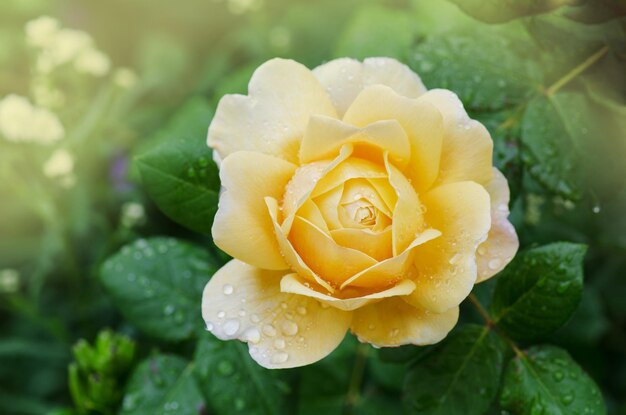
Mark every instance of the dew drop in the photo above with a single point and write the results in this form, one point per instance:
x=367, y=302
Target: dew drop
x=269, y=330
x=228, y=289
x=495, y=263
x=231, y=327
x=301, y=310
x=209, y=326
x=280, y=357
x=254, y=318
x=221, y=314
x=279, y=344
x=290, y=328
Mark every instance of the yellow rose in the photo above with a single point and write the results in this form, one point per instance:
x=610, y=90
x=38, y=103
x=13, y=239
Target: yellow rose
x=353, y=199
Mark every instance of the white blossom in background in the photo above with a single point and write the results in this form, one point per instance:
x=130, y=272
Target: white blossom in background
x=58, y=46
x=40, y=32
x=125, y=78
x=60, y=163
x=21, y=121
x=9, y=280
x=133, y=214
x=92, y=62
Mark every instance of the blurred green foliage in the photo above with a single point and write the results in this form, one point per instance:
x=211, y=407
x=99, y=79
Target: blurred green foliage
x=547, y=78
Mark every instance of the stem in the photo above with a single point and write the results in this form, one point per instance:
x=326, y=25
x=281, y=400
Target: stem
x=576, y=71
x=354, y=390
x=491, y=324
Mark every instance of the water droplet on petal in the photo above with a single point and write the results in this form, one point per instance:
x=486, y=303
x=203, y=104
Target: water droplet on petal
x=231, y=327
x=279, y=343
x=495, y=263
x=251, y=335
x=290, y=328
x=228, y=289
x=221, y=314
x=301, y=310
x=280, y=357
x=269, y=330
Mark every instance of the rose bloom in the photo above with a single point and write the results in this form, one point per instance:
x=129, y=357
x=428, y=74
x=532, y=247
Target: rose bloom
x=354, y=199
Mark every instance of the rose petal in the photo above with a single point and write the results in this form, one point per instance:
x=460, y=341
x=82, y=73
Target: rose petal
x=390, y=270
x=374, y=244
x=393, y=322
x=242, y=228
x=282, y=95
x=407, y=217
x=282, y=330
x=292, y=283
x=288, y=251
x=324, y=136
x=502, y=242
x=345, y=78
x=324, y=256
x=420, y=120
x=467, y=146
x=447, y=265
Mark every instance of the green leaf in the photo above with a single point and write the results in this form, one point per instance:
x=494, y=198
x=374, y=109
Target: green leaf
x=233, y=383
x=324, y=385
x=178, y=171
x=163, y=384
x=539, y=290
x=376, y=31
x=488, y=69
x=499, y=11
x=555, y=132
x=547, y=381
x=461, y=377
x=157, y=285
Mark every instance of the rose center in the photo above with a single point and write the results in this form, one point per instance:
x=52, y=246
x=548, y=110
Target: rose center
x=361, y=213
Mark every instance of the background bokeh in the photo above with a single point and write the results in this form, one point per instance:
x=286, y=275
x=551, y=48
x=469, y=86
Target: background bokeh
x=97, y=83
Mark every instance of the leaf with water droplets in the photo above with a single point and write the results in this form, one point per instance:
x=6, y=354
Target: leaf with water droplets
x=162, y=385
x=157, y=285
x=233, y=383
x=546, y=380
x=461, y=377
x=539, y=291
x=488, y=68
x=178, y=171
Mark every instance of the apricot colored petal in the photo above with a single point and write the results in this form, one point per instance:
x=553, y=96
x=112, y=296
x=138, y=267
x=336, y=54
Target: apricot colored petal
x=345, y=78
x=287, y=250
x=282, y=330
x=446, y=266
x=282, y=96
x=324, y=256
x=467, y=146
x=502, y=242
x=407, y=217
x=242, y=228
x=392, y=269
x=324, y=136
x=374, y=244
x=292, y=283
x=393, y=322
x=421, y=121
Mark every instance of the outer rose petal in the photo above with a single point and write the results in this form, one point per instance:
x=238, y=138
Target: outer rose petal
x=467, y=145
x=447, y=265
x=345, y=78
x=242, y=226
x=422, y=123
x=293, y=283
x=283, y=330
x=502, y=243
x=393, y=322
x=282, y=95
